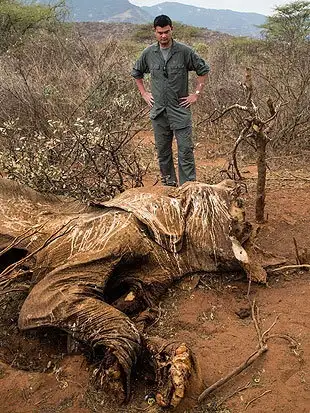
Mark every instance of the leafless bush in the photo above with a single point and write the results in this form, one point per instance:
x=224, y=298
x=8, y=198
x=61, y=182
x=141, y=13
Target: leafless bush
x=284, y=76
x=280, y=73
x=84, y=160
x=223, y=90
x=69, y=117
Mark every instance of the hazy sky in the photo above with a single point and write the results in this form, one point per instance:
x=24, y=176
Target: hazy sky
x=259, y=6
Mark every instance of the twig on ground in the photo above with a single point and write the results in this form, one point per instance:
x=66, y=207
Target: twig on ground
x=239, y=390
x=25, y=397
x=291, y=340
x=249, y=289
x=298, y=262
x=268, y=329
x=235, y=372
x=262, y=340
x=271, y=178
x=45, y=398
x=299, y=177
x=290, y=267
x=256, y=321
x=256, y=398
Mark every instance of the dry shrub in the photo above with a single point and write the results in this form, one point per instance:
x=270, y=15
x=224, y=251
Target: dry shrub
x=223, y=89
x=70, y=111
x=283, y=74
x=69, y=117
x=278, y=72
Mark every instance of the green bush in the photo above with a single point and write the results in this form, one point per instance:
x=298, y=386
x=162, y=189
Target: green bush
x=18, y=20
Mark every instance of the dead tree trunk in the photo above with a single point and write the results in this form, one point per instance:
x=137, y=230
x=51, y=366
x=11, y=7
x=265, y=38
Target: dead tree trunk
x=261, y=177
x=256, y=129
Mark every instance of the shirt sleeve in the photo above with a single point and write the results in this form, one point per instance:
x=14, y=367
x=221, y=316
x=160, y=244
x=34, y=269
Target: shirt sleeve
x=140, y=67
x=197, y=64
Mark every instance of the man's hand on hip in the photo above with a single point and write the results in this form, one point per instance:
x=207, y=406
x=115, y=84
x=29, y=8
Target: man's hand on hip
x=148, y=97
x=187, y=101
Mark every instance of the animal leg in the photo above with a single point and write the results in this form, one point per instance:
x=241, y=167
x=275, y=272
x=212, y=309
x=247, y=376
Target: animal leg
x=88, y=319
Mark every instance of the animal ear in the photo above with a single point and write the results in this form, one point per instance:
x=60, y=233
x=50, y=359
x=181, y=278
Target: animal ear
x=161, y=215
x=239, y=252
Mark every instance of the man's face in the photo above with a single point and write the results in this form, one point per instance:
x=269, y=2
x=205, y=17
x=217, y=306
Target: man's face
x=164, y=35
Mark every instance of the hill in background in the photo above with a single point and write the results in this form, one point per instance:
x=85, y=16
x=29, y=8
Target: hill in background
x=119, y=11
x=122, y=11
x=228, y=21
x=98, y=31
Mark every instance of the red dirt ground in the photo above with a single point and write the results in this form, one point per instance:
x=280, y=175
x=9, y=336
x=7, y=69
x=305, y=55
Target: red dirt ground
x=211, y=314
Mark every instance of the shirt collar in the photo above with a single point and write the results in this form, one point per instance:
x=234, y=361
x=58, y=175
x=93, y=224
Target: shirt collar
x=173, y=48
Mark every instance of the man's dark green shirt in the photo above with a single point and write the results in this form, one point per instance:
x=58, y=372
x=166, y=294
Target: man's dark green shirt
x=169, y=80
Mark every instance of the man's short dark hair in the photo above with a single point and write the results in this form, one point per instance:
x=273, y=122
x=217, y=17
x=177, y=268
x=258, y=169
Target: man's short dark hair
x=162, y=21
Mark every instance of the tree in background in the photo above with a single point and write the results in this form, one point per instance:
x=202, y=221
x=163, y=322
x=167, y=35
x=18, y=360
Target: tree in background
x=18, y=19
x=289, y=24
x=285, y=67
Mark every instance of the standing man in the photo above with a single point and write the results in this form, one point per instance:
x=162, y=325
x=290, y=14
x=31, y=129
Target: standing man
x=169, y=62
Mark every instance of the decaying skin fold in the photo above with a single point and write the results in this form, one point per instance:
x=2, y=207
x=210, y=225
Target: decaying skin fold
x=103, y=265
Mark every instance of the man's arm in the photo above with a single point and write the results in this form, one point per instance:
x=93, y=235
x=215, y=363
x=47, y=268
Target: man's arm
x=140, y=68
x=147, y=96
x=200, y=84
x=187, y=101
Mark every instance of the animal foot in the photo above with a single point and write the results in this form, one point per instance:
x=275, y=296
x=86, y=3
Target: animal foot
x=173, y=364
x=109, y=375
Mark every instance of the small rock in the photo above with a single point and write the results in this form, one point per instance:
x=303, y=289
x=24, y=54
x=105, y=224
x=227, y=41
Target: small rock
x=243, y=312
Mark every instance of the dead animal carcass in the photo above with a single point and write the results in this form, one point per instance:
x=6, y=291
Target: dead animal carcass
x=98, y=269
